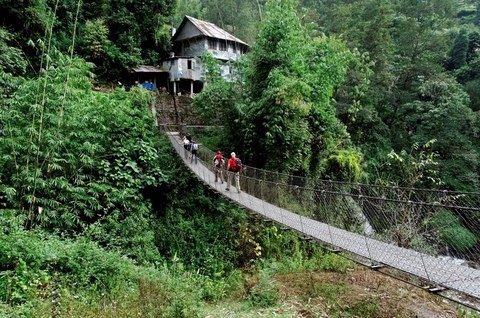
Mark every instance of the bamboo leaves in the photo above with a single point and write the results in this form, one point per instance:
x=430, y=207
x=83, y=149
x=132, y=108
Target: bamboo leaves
x=95, y=159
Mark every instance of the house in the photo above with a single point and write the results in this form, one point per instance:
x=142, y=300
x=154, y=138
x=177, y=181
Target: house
x=182, y=72
x=147, y=76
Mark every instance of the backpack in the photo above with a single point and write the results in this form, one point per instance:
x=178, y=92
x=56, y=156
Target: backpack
x=238, y=165
x=218, y=161
x=233, y=165
x=194, y=146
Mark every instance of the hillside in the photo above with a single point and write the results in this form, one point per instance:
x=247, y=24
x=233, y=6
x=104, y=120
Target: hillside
x=100, y=218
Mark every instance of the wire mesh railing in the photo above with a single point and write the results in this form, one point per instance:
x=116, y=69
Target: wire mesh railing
x=433, y=234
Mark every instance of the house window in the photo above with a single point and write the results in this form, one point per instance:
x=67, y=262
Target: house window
x=212, y=44
x=190, y=64
x=223, y=45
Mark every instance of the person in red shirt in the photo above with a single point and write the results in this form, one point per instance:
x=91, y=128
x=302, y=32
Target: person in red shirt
x=233, y=170
x=218, y=162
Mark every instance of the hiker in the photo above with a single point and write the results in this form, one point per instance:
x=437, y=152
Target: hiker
x=194, y=149
x=218, y=162
x=234, y=167
x=186, y=145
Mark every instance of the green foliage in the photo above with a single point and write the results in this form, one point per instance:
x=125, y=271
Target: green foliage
x=442, y=113
x=79, y=163
x=473, y=90
x=284, y=251
x=458, y=53
x=133, y=235
x=473, y=46
x=193, y=8
x=264, y=293
x=27, y=21
x=452, y=232
x=115, y=35
x=216, y=103
x=44, y=274
x=345, y=165
x=211, y=67
x=335, y=263
x=193, y=231
x=22, y=284
x=416, y=168
x=95, y=41
x=327, y=291
x=406, y=43
x=76, y=157
x=466, y=313
x=289, y=122
x=135, y=28
x=11, y=60
x=171, y=293
x=30, y=262
x=364, y=308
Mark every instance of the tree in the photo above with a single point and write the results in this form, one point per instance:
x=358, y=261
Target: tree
x=240, y=18
x=73, y=156
x=473, y=46
x=290, y=123
x=27, y=21
x=442, y=112
x=11, y=63
x=477, y=15
x=421, y=42
x=11, y=59
x=458, y=53
x=96, y=44
x=192, y=8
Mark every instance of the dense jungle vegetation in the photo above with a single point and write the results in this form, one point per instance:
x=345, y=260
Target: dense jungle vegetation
x=98, y=218
x=380, y=91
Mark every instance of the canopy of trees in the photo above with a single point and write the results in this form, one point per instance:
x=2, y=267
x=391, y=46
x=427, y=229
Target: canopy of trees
x=115, y=35
x=354, y=81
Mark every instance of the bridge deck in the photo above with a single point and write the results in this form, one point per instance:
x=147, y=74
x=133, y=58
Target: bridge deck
x=441, y=271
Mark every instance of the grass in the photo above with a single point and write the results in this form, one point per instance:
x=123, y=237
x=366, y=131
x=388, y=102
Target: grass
x=358, y=292
x=86, y=281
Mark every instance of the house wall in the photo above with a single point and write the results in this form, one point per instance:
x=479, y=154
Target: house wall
x=225, y=55
x=179, y=68
x=197, y=46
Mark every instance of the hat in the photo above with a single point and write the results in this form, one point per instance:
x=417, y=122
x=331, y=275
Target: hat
x=232, y=154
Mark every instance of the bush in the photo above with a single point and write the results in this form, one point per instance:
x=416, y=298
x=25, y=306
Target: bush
x=29, y=260
x=451, y=232
x=264, y=293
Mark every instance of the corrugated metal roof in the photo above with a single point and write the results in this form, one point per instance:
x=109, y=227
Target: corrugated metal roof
x=146, y=69
x=211, y=30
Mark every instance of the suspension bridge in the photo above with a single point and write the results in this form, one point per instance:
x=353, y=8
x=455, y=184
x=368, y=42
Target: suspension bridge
x=385, y=228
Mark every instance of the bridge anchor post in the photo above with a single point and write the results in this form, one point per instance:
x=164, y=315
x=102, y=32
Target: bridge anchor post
x=334, y=250
x=435, y=289
x=306, y=238
x=376, y=266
